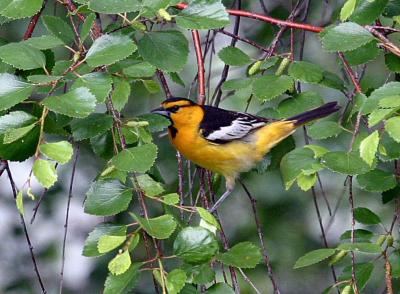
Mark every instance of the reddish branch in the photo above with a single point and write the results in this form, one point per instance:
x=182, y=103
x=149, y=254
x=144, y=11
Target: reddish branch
x=350, y=72
x=268, y=19
x=200, y=66
x=33, y=22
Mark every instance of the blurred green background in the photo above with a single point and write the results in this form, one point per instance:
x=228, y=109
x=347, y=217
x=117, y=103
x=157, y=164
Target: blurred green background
x=289, y=218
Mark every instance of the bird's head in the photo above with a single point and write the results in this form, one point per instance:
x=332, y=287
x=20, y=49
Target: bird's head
x=180, y=111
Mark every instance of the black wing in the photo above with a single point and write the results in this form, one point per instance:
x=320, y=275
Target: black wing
x=222, y=126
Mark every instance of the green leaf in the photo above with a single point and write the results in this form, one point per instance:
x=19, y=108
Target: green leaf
x=392, y=127
x=20, y=8
x=363, y=273
x=141, y=69
x=151, y=86
x=23, y=147
x=107, y=243
x=359, y=234
x=242, y=255
x=203, y=14
x=150, y=187
x=136, y=159
x=22, y=56
x=392, y=62
x=294, y=163
x=20, y=202
x=389, y=195
x=78, y=103
x=166, y=50
x=347, y=9
x=44, y=172
x=234, y=56
x=306, y=71
x=107, y=197
x=361, y=247
x=368, y=147
x=44, y=42
x=313, y=257
x=236, y=84
x=171, y=199
x=378, y=115
x=332, y=80
x=59, y=28
x=122, y=283
x=109, y=49
x=368, y=11
x=91, y=126
x=387, y=90
x=363, y=54
x=199, y=274
x=277, y=85
x=299, y=103
x=11, y=135
x=157, y=122
x=176, y=280
x=195, y=245
x=98, y=83
x=365, y=216
x=324, y=129
x=104, y=229
x=220, y=288
x=208, y=217
x=120, y=94
x=160, y=227
x=120, y=263
x=345, y=163
x=43, y=79
x=388, y=148
x=344, y=37
x=13, y=91
x=377, y=181
x=60, y=151
x=114, y=6
x=87, y=26
x=306, y=181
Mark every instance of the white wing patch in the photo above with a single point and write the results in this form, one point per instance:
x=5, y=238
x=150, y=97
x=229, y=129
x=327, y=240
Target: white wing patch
x=239, y=128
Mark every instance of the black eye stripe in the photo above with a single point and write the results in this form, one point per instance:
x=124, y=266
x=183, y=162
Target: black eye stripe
x=175, y=108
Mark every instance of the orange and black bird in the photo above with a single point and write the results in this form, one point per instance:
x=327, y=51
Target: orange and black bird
x=228, y=142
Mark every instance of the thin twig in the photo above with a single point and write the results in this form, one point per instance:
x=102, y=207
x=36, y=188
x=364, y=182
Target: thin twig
x=164, y=83
x=245, y=40
x=33, y=22
x=246, y=278
x=353, y=223
x=200, y=67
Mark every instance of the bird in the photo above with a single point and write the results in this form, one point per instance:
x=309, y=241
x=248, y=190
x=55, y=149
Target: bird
x=228, y=142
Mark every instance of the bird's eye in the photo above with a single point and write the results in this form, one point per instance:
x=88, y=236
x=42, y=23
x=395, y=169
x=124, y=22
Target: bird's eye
x=174, y=108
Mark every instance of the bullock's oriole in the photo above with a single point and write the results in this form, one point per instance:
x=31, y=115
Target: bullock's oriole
x=228, y=142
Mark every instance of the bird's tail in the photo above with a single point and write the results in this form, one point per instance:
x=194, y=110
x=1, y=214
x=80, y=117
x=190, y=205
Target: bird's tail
x=313, y=114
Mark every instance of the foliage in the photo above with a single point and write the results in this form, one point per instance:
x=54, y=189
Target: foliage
x=50, y=102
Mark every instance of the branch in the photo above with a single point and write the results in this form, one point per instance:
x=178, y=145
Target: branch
x=245, y=40
x=164, y=83
x=200, y=65
x=350, y=72
x=33, y=22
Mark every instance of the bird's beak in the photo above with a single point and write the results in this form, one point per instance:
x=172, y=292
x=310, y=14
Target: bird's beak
x=161, y=111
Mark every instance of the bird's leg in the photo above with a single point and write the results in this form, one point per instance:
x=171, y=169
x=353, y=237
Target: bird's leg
x=220, y=200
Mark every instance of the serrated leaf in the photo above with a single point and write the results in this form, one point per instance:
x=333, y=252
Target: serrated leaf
x=359, y=234
x=87, y=25
x=377, y=181
x=392, y=62
x=387, y=90
x=392, y=127
x=122, y=283
x=345, y=163
x=171, y=199
x=114, y=6
x=60, y=151
x=44, y=42
x=208, y=217
x=91, y=126
x=361, y=247
x=388, y=148
x=11, y=135
x=347, y=9
x=277, y=85
x=107, y=197
x=365, y=216
x=363, y=272
x=299, y=103
x=324, y=129
x=313, y=257
x=306, y=181
x=103, y=229
x=368, y=147
x=368, y=11
x=199, y=274
x=109, y=49
x=120, y=263
x=332, y=80
x=107, y=243
x=136, y=159
x=203, y=14
x=176, y=279
x=151, y=86
x=378, y=115
x=59, y=28
x=45, y=172
x=236, y=84
x=344, y=37
x=242, y=255
x=160, y=227
x=149, y=186
x=120, y=94
x=195, y=245
x=43, y=79
x=233, y=56
x=389, y=195
x=141, y=69
x=363, y=54
x=306, y=71
x=19, y=201
x=98, y=83
x=22, y=56
x=220, y=288
x=20, y=8
x=79, y=103
x=167, y=50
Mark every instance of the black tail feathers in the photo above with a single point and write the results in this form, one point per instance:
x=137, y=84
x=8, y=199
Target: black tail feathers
x=316, y=113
